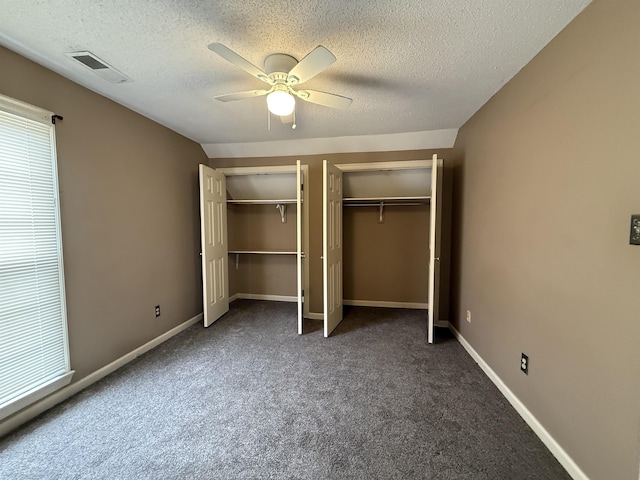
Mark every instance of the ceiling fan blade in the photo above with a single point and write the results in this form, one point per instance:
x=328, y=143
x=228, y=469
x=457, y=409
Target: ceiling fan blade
x=316, y=61
x=229, y=97
x=330, y=100
x=231, y=56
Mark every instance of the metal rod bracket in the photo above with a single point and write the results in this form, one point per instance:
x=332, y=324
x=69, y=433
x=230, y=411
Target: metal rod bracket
x=282, y=208
x=381, y=216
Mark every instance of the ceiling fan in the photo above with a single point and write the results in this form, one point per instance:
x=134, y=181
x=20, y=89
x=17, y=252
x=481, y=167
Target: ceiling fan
x=282, y=73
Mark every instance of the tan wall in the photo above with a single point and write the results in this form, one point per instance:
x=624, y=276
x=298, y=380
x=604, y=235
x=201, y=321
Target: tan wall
x=543, y=196
x=129, y=208
x=396, y=263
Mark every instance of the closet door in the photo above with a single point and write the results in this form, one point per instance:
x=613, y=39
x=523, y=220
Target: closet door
x=332, y=247
x=299, y=241
x=434, y=244
x=213, y=237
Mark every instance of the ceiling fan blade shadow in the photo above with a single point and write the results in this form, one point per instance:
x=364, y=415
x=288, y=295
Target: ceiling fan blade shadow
x=232, y=57
x=396, y=87
x=229, y=97
x=315, y=62
x=330, y=100
x=367, y=81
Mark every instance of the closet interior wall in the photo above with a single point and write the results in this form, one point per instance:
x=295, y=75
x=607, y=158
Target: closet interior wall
x=263, y=222
x=260, y=227
x=386, y=223
x=386, y=262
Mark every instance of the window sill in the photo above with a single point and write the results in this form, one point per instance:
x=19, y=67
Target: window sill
x=35, y=394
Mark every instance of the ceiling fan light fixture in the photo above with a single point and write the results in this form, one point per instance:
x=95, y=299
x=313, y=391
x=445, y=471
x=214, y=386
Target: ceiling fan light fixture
x=281, y=103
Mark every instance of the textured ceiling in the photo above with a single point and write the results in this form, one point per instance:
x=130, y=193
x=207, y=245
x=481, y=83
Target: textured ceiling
x=410, y=66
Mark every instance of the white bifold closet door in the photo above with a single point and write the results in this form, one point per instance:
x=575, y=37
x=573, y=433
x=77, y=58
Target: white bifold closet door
x=434, y=245
x=215, y=250
x=299, y=252
x=332, y=246
x=213, y=236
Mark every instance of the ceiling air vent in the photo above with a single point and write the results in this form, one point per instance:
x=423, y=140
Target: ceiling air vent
x=100, y=67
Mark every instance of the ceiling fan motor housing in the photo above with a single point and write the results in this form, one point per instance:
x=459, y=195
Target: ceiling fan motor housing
x=278, y=65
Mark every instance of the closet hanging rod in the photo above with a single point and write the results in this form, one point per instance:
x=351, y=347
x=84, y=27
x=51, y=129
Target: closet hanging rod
x=383, y=203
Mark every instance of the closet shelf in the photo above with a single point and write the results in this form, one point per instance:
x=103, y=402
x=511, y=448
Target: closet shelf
x=386, y=200
x=264, y=252
x=263, y=202
x=237, y=253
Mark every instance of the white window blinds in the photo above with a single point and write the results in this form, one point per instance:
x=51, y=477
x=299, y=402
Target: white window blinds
x=34, y=358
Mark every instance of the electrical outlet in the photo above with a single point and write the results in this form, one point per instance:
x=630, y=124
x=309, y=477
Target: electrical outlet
x=469, y=316
x=157, y=311
x=634, y=236
x=524, y=364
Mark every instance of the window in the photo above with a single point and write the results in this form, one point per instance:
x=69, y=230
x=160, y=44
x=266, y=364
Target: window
x=34, y=354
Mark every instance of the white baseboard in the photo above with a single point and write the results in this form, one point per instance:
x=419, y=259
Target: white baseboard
x=37, y=408
x=554, y=447
x=374, y=303
x=320, y=316
x=354, y=303
x=271, y=298
x=275, y=298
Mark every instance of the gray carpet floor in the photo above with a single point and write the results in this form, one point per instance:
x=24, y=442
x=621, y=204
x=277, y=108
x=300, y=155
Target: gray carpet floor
x=247, y=398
